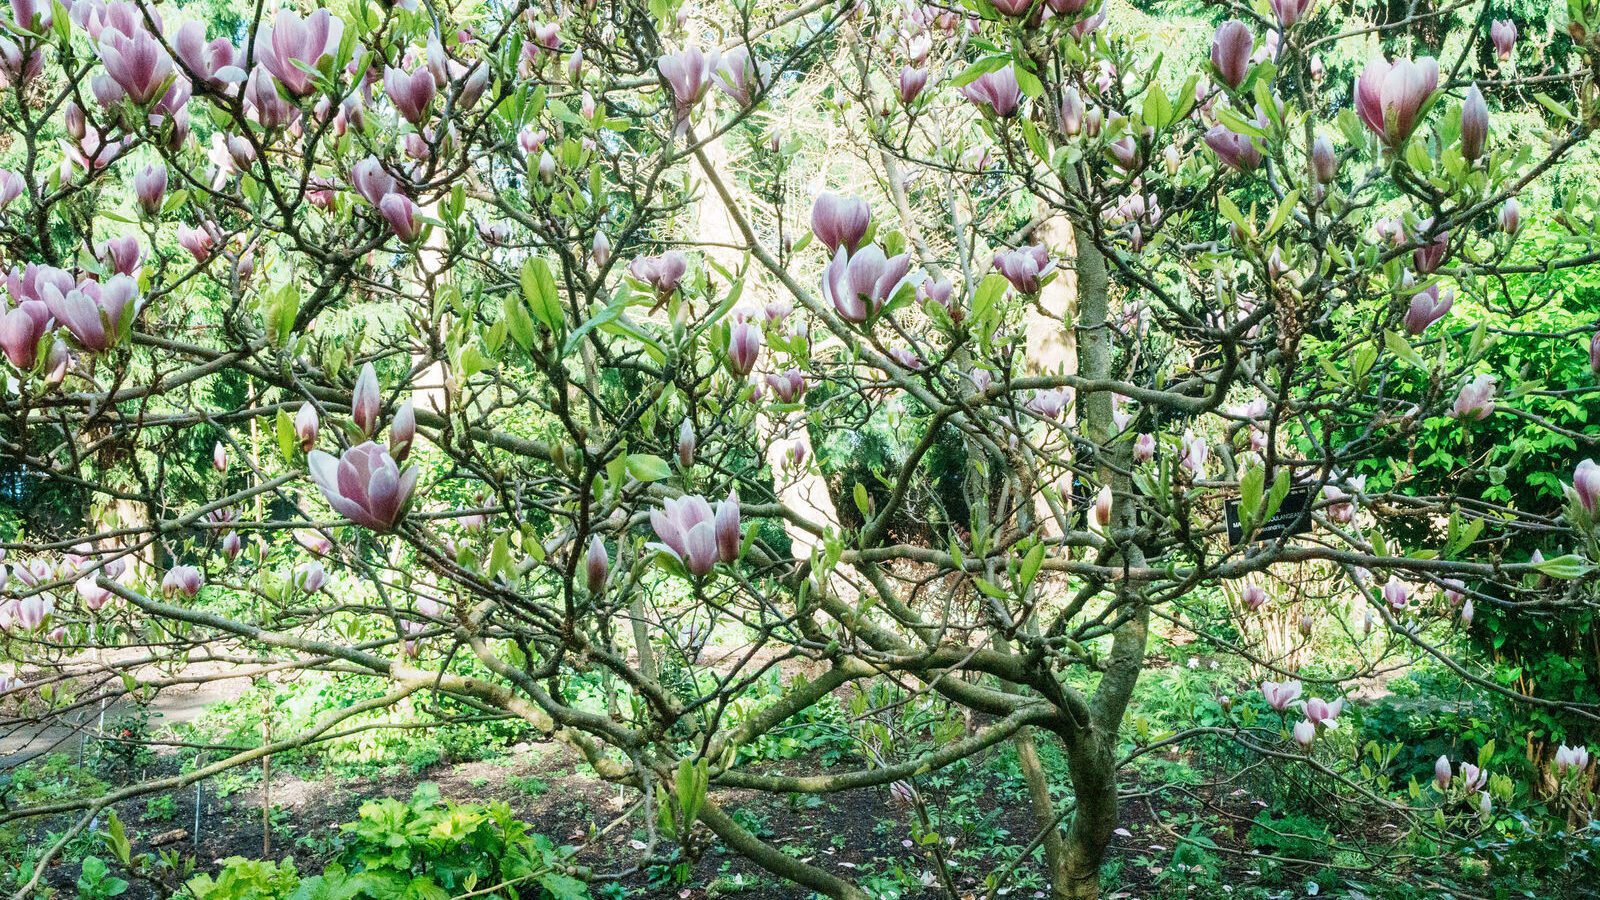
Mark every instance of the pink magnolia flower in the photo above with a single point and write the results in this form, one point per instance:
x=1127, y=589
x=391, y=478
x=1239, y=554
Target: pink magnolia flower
x=740, y=76
x=1427, y=307
x=1072, y=112
x=1304, y=733
x=1389, y=96
x=1144, y=448
x=788, y=386
x=137, y=62
x=1396, y=593
x=1254, y=596
x=1025, y=267
x=1321, y=712
x=1050, y=403
x=660, y=272
x=1442, y=774
x=1195, y=453
x=306, y=425
x=1473, y=777
x=912, y=82
x=18, y=67
x=11, y=187
x=600, y=250
x=1013, y=8
x=1324, y=161
x=291, y=41
x=1466, y=612
x=32, y=16
x=150, y=187
x=859, y=286
x=263, y=102
x=232, y=545
x=1237, y=151
x=1571, y=758
x=1289, y=12
x=198, y=241
x=996, y=91
x=688, y=74
x=309, y=577
x=906, y=358
x=744, y=347
x=121, y=254
x=402, y=215
x=698, y=537
x=840, y=221
x=1230, y=51
x=1280, y=694
x=1476, y=400
x=219, y=457
x=364, y=485
x=372, y=181
x=215, y=63
x=91, y=593
x=1510, y=222
x=182, y=581
x=1101, y=512
x=411, y=93
x=21, y=330
x=95, y=312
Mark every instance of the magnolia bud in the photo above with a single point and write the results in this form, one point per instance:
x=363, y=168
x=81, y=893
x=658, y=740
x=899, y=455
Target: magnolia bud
x=232, y=545
x=219, y=457
x=686, y=444
x=1474, y=124
x=1442, y=773
x=1071, y=112
x=365, y=402
x=1102, y=506
x=402, y=431
x=306, y=425
x=601, y=250
x=1511, y=216
x=728, y=534
x=596, y=565
x=1324, y=161
x=150, y=187
x=1304, y=733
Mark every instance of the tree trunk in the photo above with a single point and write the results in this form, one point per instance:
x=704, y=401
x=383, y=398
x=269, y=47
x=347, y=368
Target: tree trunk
x=1094, y=783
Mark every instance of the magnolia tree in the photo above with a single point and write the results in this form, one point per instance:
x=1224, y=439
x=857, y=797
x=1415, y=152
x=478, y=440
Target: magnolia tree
x=526, y=362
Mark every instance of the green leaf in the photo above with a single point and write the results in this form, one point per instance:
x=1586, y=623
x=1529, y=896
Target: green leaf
x=1566, y=567
x=1555, y=107
x=647, y=467
x=1030, y=565
x=539, y=291
x=288, y=441
x=1398, y=345
x=518, y=323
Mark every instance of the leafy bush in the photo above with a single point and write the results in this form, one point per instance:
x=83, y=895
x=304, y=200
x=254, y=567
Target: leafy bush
x=426, y=848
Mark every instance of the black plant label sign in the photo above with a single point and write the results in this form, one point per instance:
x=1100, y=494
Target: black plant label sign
x=1292, y=517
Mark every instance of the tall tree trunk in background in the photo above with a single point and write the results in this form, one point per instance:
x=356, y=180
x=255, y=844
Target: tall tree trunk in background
x=1051, y=346
x=803, y=490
